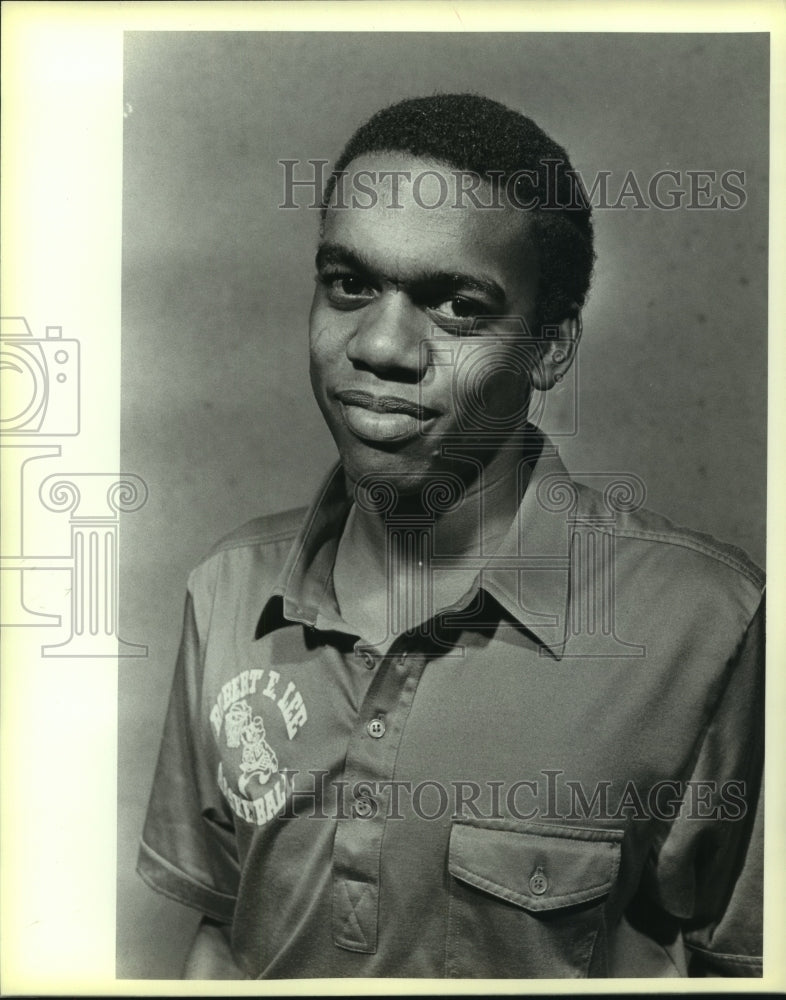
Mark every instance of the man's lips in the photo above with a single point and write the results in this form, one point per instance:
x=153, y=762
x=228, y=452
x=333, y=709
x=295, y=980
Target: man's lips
x=381, y=419
x=384, y=404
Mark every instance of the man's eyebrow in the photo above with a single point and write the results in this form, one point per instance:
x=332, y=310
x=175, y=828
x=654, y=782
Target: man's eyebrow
x=335, y=254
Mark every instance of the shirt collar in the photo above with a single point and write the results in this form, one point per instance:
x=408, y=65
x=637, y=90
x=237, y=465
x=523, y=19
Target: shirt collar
x=529, y=575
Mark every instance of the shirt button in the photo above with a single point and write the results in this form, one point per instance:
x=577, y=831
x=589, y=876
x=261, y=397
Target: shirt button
x=363, y=808
x=538, y=882
x=376, y=728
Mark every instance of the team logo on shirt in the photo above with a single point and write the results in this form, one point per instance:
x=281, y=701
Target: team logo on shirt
x=262, y=788
x=258, y=759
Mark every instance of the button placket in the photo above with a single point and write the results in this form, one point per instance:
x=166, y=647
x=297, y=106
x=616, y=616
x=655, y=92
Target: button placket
x=370, y=762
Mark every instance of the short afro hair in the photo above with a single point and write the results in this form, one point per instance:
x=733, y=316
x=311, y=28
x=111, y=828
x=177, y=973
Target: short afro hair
x=476, y=134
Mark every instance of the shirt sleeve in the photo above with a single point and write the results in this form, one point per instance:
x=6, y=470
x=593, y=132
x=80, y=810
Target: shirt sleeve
x=708, y=870
x=188, y=848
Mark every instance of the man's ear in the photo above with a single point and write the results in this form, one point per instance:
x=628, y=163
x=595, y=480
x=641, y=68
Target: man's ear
x=558, y=352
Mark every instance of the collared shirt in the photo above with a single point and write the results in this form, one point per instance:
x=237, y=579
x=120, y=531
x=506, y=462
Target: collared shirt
x=557, y=776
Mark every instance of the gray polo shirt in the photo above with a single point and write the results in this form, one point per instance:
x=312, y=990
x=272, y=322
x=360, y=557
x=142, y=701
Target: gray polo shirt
x=558, y=776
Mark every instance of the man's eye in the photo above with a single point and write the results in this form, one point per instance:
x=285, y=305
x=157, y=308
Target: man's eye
x=458, y=307
x=464, y=308
x=345, y=289
x=350, y=285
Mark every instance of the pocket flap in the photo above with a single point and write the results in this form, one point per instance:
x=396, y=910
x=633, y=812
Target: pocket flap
x=538, y=867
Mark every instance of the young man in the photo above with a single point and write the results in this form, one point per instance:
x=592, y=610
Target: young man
x=464, y=716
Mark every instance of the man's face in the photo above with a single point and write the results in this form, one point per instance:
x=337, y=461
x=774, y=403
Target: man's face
x=415, y=330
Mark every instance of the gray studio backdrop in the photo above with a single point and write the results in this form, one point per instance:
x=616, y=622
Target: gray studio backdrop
x=216, y=407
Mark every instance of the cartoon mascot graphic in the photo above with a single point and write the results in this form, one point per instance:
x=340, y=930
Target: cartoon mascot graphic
x=258, y=760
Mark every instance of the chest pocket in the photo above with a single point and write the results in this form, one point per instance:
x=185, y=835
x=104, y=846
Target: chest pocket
x=526, y=899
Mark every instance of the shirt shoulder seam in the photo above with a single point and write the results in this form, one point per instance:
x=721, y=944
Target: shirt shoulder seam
x=250, y=540
x=248, y=537
x=684, y=541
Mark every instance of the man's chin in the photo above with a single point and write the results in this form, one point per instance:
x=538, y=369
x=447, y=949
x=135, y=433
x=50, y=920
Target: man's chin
x=404, y=475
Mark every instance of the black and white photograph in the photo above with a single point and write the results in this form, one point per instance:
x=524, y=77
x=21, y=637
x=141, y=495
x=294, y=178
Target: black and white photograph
x=433, y=560
x=460, y=712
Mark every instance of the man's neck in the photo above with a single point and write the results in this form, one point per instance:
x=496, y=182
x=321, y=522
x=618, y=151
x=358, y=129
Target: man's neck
x=386, y=556
x=461, y=518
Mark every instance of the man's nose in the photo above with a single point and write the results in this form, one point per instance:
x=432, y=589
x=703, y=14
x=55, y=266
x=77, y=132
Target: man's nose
x=390, y=338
